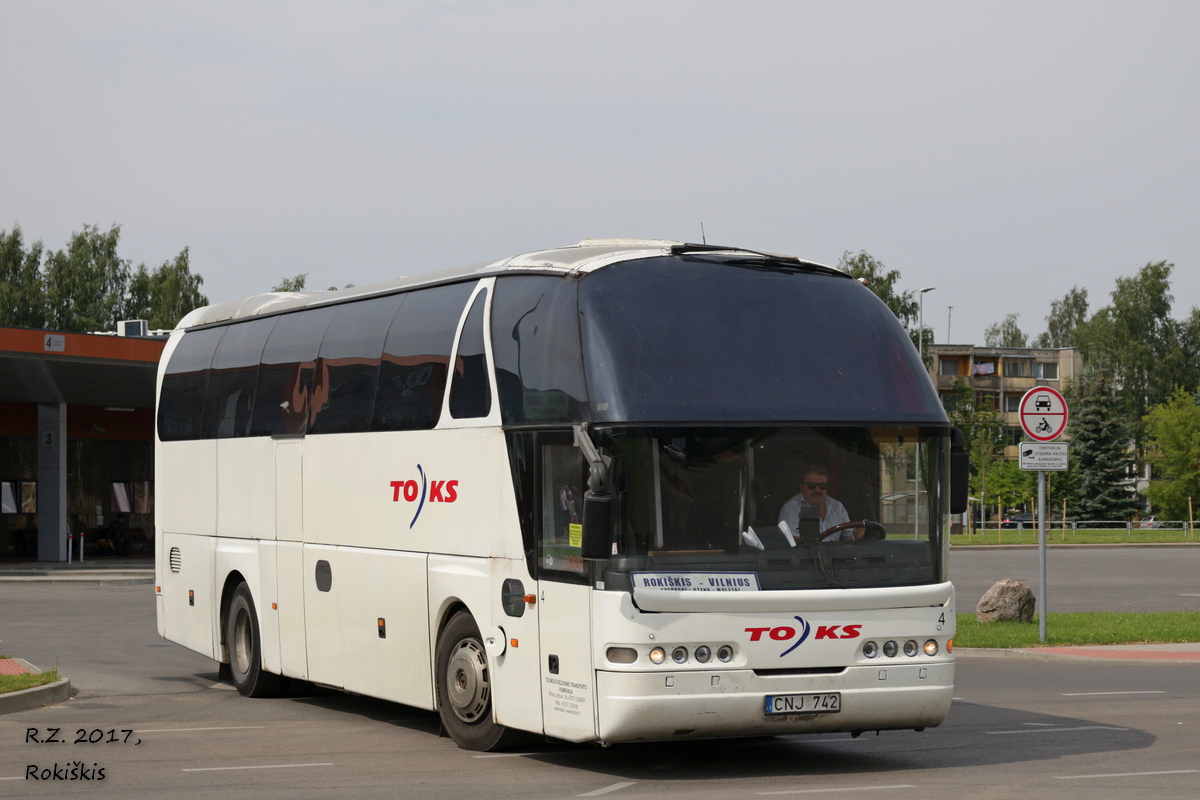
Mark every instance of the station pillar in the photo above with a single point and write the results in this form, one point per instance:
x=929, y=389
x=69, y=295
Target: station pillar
x=52, y=482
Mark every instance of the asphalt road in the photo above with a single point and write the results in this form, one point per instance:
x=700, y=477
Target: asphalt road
x=1018, y=728
x=1086, y=579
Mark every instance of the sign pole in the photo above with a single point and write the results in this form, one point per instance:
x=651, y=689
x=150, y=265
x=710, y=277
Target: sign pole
x=1042, y=605
x=1044, y=414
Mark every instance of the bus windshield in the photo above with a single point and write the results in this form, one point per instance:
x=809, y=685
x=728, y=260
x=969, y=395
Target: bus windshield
x=703, y=339
x=791, y=507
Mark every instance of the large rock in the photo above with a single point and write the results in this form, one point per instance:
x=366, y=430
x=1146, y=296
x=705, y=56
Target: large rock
x=1006, y=600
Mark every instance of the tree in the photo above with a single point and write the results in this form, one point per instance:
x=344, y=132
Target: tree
x=164, y=296
x=1005, y=334
x=983, y=430
x=1173, y=448
x=86, y=282
x=1138, y=343
x=88, y=287
x=22, y=293
x=295, y=284
x=1100, y=448
x=1067, y=314
x=1017, y=487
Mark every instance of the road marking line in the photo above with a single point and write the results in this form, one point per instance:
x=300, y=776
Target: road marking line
x=503, y=755
x=174, y=730
x=1189, y=595
x=224, y=687
x=843, y=789
x=607, y=789
x=1059, y=730
x=1126, y=774
x=261, y=766
x=1093, y=694
x=19, y=778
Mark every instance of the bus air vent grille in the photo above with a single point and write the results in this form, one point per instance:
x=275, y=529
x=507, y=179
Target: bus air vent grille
x=800, y=671
x=176, y=560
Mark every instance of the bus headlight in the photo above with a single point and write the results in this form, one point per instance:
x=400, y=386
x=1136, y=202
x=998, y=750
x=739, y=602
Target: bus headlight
x=931, y=647
x=725, y=653
x=910, y=648
x=890, y=649
x=679, y=655
x=703, y=654
x=870, y=649
x=658, y=655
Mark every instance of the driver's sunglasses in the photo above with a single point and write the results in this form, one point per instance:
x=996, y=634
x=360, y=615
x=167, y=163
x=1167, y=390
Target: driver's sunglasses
x=813, y=485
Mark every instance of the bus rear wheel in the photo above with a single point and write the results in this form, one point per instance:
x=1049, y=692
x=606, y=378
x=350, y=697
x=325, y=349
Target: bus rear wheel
x=244, y=643
x=464, y=692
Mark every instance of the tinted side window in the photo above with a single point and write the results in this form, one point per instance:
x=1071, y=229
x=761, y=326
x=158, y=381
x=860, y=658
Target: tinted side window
x=181, y=406
x=283, y=396
x=416, y=358
x=349, y=365
x=535, y=341
x=230, y=396
x=470, y=393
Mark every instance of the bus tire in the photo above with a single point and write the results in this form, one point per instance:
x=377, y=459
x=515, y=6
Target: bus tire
x=244, y=643
x=463, y=685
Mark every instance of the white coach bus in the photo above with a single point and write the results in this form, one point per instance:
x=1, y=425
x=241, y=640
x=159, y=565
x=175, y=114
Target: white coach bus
x=545, y=495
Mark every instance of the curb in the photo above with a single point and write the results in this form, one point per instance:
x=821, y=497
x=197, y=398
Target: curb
x=38, y=696
x=82, y=581
x=1068, y=546
x=1039, y=655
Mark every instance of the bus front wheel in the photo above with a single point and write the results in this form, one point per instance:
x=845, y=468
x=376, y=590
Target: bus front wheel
x=464, y=691
x=245, y=648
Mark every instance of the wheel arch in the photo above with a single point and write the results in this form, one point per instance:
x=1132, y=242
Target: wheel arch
x=232, y=581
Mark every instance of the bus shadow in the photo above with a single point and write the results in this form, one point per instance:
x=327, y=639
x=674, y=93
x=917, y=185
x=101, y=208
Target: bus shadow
x=974, y=736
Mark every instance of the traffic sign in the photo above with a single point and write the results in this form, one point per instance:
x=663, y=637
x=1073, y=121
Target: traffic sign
x=1043, y=413
x=1043, y=455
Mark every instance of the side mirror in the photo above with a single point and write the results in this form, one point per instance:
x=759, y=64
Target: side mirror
x=960, y=472
x=598, y=517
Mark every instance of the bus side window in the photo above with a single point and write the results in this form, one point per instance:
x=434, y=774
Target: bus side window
x=283, y=393
x=349, y=364
x=181, y=406
x=416, y=355
x=230, y=395
x=470, y=392
x=535, y=343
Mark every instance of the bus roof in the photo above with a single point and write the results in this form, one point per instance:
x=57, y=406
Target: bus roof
x=587, y=256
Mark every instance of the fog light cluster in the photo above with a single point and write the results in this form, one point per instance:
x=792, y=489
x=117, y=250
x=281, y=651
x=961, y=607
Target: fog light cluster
x=678, y=655
x=891, y=648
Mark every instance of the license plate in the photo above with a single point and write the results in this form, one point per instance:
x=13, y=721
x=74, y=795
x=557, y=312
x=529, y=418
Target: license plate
x=826, y=703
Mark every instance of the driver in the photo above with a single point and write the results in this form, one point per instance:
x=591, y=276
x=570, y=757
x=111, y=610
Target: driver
x=814, y=493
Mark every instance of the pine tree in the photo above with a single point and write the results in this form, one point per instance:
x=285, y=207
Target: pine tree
x=1100, y=449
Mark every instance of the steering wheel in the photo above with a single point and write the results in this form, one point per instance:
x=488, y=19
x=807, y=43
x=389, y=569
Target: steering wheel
x=874, y=529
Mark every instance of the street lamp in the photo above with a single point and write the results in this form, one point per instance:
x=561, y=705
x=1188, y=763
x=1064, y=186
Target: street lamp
x=917, y=479
x=921, y=322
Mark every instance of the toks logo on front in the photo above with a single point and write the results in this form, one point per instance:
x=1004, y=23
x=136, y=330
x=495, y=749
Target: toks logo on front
x=426, y=490
x=786, y=633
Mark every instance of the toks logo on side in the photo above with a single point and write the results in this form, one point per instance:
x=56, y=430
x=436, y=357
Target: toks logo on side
x=414, y=492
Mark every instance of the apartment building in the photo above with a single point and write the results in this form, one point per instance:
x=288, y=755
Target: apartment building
x=1000, y=376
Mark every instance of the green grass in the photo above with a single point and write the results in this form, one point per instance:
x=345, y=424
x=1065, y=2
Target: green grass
x=15, y=683
x=1082, y=629
x=1055, y=535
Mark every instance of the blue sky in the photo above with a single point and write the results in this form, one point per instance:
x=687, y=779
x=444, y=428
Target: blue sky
x=1002, y=153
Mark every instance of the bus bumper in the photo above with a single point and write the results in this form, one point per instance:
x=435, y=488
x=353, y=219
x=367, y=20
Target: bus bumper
x=650, y=706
